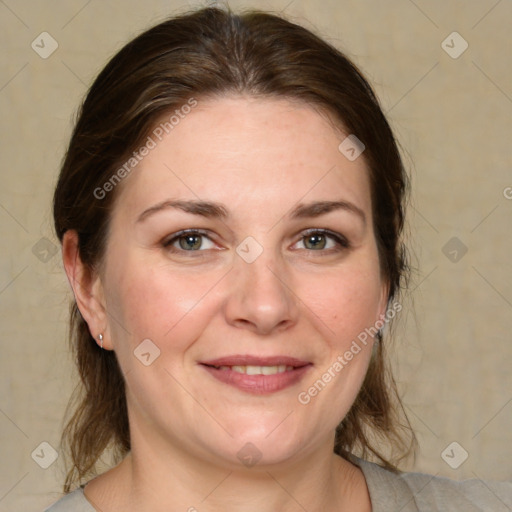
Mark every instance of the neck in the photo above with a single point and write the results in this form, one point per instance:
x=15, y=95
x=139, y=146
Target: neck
x=158, y=476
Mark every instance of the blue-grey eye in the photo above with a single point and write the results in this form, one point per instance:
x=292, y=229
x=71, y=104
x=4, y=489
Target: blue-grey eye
x=315, y=241
x=318, y=240
x=190, y=242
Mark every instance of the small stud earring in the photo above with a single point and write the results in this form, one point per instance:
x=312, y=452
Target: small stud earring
x=100, y=337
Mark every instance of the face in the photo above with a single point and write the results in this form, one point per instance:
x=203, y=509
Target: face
x=242, y=247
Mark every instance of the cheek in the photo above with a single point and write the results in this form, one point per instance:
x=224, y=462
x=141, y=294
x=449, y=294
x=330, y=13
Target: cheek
x=344, y=313
x=345, y=306
x=346, y=302
x=155, y=302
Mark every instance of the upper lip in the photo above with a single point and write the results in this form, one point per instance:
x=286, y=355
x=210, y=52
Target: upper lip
x=248, y=360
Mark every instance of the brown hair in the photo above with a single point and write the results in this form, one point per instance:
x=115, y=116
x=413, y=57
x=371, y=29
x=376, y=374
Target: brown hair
x=208, y=53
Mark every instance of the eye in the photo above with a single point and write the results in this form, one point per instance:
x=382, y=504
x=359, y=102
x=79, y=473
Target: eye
x=189, y=240
x=321, y=239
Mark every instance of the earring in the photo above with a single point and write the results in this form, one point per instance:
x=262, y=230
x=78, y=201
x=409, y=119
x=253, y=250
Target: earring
x=100, y=337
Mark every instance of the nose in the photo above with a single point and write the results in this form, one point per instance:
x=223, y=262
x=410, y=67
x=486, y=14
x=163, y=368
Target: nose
x=261, y=297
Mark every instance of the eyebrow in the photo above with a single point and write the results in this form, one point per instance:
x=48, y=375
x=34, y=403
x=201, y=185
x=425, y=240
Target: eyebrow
x=318, y=208
x=217, y=210
x=203, y=208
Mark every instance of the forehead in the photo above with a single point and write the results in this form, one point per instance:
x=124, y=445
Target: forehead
x=249, y=153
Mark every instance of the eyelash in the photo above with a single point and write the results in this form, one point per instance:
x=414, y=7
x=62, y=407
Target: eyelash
x=168, y=242
x=341, y=242
x=339, y=239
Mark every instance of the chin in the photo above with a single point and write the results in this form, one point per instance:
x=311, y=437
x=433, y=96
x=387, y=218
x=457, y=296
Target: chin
x=251, y=447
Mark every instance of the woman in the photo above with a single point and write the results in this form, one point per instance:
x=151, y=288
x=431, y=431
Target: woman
x=230, y=210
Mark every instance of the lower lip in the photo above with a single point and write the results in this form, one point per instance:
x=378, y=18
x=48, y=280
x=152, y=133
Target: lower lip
x=258, y=384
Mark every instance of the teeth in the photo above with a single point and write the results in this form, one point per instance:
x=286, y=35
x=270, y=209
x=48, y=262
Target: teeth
x=271, y=370
x=258, y=370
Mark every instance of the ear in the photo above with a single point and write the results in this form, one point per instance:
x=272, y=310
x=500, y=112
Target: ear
x=87, y=289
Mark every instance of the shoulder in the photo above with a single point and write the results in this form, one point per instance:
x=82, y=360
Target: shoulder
x=415, y=492
x=72, y=502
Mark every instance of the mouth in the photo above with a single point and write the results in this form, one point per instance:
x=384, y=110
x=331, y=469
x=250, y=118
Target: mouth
x=257, y=375
x=257, y=370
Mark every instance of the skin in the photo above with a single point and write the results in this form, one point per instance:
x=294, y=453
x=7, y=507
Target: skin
x=260, y=158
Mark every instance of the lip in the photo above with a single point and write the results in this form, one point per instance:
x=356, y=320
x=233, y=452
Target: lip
x=257, y=384
x=248, y=360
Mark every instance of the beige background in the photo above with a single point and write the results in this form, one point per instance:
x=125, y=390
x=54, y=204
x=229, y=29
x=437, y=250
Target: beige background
x=452, y=116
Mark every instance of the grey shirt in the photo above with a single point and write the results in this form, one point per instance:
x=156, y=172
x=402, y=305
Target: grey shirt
x=390, y=492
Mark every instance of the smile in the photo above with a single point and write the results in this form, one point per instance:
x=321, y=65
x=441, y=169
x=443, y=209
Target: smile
x=258, y=370
x=256, y=375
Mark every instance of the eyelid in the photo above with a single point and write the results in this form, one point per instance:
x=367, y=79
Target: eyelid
x=170, y=239
x=340, y=239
